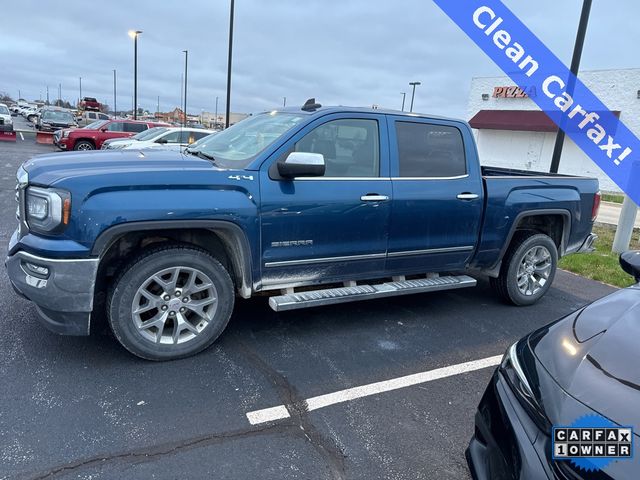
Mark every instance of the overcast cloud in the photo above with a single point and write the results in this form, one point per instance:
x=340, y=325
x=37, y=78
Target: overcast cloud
x=347, y=52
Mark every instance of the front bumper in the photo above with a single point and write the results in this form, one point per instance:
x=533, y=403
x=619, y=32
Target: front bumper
x=63, y=297
x=506, y=443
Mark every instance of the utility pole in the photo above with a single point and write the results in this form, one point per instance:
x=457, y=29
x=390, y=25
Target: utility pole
x=284, y=102
x=134, y=34
x=59, y=94
x=80, y=90
x=228, y=109
x=47, y=95
x=413, y=93
x=404, y=95
x=158, y=108
x=575, y=66
x=115, y=106
x=186, y=59
x=216, y=120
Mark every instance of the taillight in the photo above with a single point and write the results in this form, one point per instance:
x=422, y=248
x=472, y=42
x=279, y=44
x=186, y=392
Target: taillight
x=596, y=206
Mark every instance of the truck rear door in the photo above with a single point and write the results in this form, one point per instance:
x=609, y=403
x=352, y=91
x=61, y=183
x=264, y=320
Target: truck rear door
x=437, y=201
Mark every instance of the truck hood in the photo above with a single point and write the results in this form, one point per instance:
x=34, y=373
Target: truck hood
x=48, y=170
x=593, y=355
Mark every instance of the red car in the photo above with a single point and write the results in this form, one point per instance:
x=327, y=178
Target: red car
x=92, y=136
x=89, y=103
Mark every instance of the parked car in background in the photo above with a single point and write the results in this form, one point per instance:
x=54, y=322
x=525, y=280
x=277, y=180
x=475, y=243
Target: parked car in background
x=52, y=119
x=92, y=136
x=6, y=122
x=89, y=103
x=316, y=198
x=117, y=143
x=170, y=138
x=31, y=113
x=584, y=366
x=85, y=118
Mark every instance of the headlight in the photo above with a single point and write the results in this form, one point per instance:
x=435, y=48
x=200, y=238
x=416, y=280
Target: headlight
x=65, y=134
x=47, y=210
x=519, y=377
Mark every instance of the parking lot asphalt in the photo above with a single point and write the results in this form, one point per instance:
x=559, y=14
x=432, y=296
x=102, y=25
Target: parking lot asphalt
x=82, y=407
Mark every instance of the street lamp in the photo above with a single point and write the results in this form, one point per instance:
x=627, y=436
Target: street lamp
x=80, y=90
x=115, y=106
x=413, y=93
x=284, y=102
x=226, y=121
x=134, y=34
x=186, y=58
x=404, y=95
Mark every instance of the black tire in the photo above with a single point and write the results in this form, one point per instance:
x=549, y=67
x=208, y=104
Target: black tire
x=84, y=145
x=506, y=285
x=126, y=287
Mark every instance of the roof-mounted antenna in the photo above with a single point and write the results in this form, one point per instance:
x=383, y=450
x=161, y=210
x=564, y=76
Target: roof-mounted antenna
x=311, y=105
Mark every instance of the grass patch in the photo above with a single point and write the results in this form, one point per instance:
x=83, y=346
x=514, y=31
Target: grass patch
x=602, y=264
x=613, y=197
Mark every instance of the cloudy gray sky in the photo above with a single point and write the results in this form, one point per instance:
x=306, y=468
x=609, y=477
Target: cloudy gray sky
x=347, y=52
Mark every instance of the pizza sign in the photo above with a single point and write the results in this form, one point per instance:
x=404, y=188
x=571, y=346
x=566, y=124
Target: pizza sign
x=514, y=92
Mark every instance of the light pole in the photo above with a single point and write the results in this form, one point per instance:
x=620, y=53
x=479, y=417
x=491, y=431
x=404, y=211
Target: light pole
x=80, y=90
x=186, y=59
x=404, y=95
x=284, y=102
x=216, y=119
x=134, y=34
x=575, y=66
x=59, y=95
x=115, y=106
x=226, y=120
x=413, y=93
x=47, y=95
x=158, y=108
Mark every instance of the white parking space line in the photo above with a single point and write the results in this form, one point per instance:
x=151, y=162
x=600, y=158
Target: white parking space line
x=314, y=403
x=21, y=136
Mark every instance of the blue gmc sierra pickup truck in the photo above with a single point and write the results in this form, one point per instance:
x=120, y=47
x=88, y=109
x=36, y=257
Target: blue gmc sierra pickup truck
x=312, y=206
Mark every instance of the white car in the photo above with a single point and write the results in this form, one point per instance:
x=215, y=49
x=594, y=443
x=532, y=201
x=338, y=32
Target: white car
x=6, y=122
x=166, y=138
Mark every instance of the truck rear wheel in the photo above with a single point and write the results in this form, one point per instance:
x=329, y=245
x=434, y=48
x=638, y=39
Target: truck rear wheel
x=528, y=269
x=171, y=302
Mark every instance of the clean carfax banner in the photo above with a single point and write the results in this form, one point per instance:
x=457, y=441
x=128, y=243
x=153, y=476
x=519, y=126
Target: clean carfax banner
x=562, y=96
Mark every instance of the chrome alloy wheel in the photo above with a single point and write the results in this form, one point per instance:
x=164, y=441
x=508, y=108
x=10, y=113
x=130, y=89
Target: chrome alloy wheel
x=534, y=270
x=174, y=305
x=84, y=146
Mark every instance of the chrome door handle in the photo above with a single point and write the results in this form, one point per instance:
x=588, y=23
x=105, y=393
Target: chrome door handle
x=467, y=196
x=372, y=197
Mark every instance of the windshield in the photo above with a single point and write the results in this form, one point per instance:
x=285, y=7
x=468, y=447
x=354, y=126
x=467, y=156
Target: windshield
x=95, y=125
x=4, y=110
x=150, y=133
x=236, y=146
x=55, y=116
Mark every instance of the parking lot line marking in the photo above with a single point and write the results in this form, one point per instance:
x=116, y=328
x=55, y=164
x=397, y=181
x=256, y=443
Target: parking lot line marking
x=21, y=136
x=268, y=415
x=314, y=403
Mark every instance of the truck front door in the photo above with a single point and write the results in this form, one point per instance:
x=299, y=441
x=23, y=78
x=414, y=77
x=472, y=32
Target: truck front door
x=437, y=196
x=321, y=229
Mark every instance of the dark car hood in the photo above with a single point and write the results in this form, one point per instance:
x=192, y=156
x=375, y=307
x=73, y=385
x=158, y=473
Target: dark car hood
x=50, y=169
x=594, y=355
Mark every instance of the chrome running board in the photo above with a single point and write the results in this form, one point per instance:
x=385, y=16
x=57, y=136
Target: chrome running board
x=329, y=296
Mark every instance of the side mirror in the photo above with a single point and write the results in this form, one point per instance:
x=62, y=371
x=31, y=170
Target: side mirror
x=103, y=129
x=302, y=164
x=630, y=263
x=161, y=140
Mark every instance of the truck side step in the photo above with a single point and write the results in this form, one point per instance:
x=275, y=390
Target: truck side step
x=328, y=296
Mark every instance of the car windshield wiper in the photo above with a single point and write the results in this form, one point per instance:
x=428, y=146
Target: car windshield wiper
x=201, y=154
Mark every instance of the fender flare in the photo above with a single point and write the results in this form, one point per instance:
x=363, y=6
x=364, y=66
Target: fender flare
x=232, y=236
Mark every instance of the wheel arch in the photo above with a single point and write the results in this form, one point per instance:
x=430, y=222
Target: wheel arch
x=556, y=223
x=220, y=238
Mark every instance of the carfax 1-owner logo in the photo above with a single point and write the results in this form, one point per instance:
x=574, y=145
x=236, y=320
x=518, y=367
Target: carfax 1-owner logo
x=592, y=442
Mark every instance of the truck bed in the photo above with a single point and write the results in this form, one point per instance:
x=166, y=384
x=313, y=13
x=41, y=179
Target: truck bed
x=488, y=171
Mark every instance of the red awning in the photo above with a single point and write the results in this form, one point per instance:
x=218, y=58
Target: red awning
x=521, y=120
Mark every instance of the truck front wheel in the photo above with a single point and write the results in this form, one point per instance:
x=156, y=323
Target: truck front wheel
x=528, y=269
x=170, y=302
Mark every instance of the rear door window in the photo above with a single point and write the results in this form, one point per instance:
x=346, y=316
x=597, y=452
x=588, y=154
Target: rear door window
x=115, y=127
x=428, y=150
x=135, y=127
